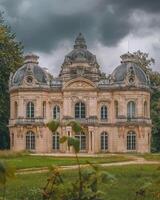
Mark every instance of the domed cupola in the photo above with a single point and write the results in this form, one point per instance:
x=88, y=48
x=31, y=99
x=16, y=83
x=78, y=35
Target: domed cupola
x=80, y=62
x=30, y=74
x=129, y=73
x=80, y=54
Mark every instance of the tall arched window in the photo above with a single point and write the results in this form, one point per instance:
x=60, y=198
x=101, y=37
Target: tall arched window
x=80, y=111
x=104, y=141
x=44, y=109
x=16, y=109
x=104, y=112
x=131, y=109
x=56, y=112
x=82, y=140
x=30, y=110
x=116, y=108
x=55, y=141
x=145, y=109
x=131, y=140
x=30, y=140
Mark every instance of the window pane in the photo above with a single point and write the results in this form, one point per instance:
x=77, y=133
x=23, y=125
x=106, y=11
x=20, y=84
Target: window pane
x=82, y=141
x=55, y=144
x=80, y=110
x=131, y=141
x=104, y=112
x=30, y=110
x=131, y=109
x=56, y=112
x=104, y=141
x=30, y=140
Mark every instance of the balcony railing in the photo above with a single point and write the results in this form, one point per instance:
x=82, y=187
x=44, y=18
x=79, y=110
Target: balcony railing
x=134, y=120
x=26, y=121
x=90, y=120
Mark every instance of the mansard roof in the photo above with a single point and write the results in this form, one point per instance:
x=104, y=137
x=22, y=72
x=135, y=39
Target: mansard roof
x=80, y=63
x=129, y=68
x=30, y=69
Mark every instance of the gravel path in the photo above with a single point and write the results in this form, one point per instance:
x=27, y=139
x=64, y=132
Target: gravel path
x=136, y=161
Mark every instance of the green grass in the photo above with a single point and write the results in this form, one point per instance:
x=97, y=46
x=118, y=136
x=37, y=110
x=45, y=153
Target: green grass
x=129, y=179
x=22, y=161
x=151, y=156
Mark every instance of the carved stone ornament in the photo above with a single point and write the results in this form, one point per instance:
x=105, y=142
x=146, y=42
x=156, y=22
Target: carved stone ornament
x=131, y=76
x=79, y=84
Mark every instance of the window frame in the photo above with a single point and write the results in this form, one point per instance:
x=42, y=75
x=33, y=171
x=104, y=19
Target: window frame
x=30, y=110
x=56, y=112
x=30, y=141
x=56, y=141
x=82, y=141
x=131, y=110
x=131, y=141
x=104, y=112
x=80, y=110
x=104, y=141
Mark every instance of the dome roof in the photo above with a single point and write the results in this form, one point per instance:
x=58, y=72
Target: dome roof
x=129, y=68
x=80, y=52
x=30, y=69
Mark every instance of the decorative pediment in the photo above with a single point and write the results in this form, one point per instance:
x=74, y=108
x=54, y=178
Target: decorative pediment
x=79, y=84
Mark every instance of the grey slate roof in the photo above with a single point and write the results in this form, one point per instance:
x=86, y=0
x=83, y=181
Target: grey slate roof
x=30, y=67
x=80, y=52
x=120, y=73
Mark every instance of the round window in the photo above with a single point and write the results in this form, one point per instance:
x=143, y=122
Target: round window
x=29, y=79
x=131, y=80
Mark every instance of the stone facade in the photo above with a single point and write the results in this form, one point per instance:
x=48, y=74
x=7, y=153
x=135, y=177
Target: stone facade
x=115, y=108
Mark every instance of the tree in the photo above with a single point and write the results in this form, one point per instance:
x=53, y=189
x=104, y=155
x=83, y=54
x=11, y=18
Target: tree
x=10, y=60
x=145, y=63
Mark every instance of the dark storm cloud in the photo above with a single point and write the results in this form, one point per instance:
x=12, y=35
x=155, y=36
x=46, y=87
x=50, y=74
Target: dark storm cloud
x=41, y=25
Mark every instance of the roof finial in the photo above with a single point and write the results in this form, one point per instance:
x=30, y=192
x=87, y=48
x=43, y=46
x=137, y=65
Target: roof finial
x=80, y=42
x=31, y=58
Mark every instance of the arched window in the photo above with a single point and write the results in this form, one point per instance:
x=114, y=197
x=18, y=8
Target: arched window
x=80, y=111
x=131, y=108
x=116, y=108
x=55, y=141
x=104, y=112
x=56, y=112
x=104, y=141
x=131, y=140
x=30, y=110
x=145, y=109
x=30, y=140
x=82, y=140
x=16, y=109
x=44, y=109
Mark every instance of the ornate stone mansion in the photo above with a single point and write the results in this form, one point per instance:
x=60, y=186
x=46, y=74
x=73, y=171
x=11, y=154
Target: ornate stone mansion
x=115, y=108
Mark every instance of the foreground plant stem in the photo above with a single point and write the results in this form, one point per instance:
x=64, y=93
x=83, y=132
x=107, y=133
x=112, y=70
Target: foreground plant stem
x=80, y=177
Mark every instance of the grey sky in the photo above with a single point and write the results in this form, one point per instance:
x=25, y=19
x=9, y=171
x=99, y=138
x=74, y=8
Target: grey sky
x=111, y=27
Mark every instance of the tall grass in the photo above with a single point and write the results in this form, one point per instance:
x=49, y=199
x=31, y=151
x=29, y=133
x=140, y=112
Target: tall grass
x=12, y=154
